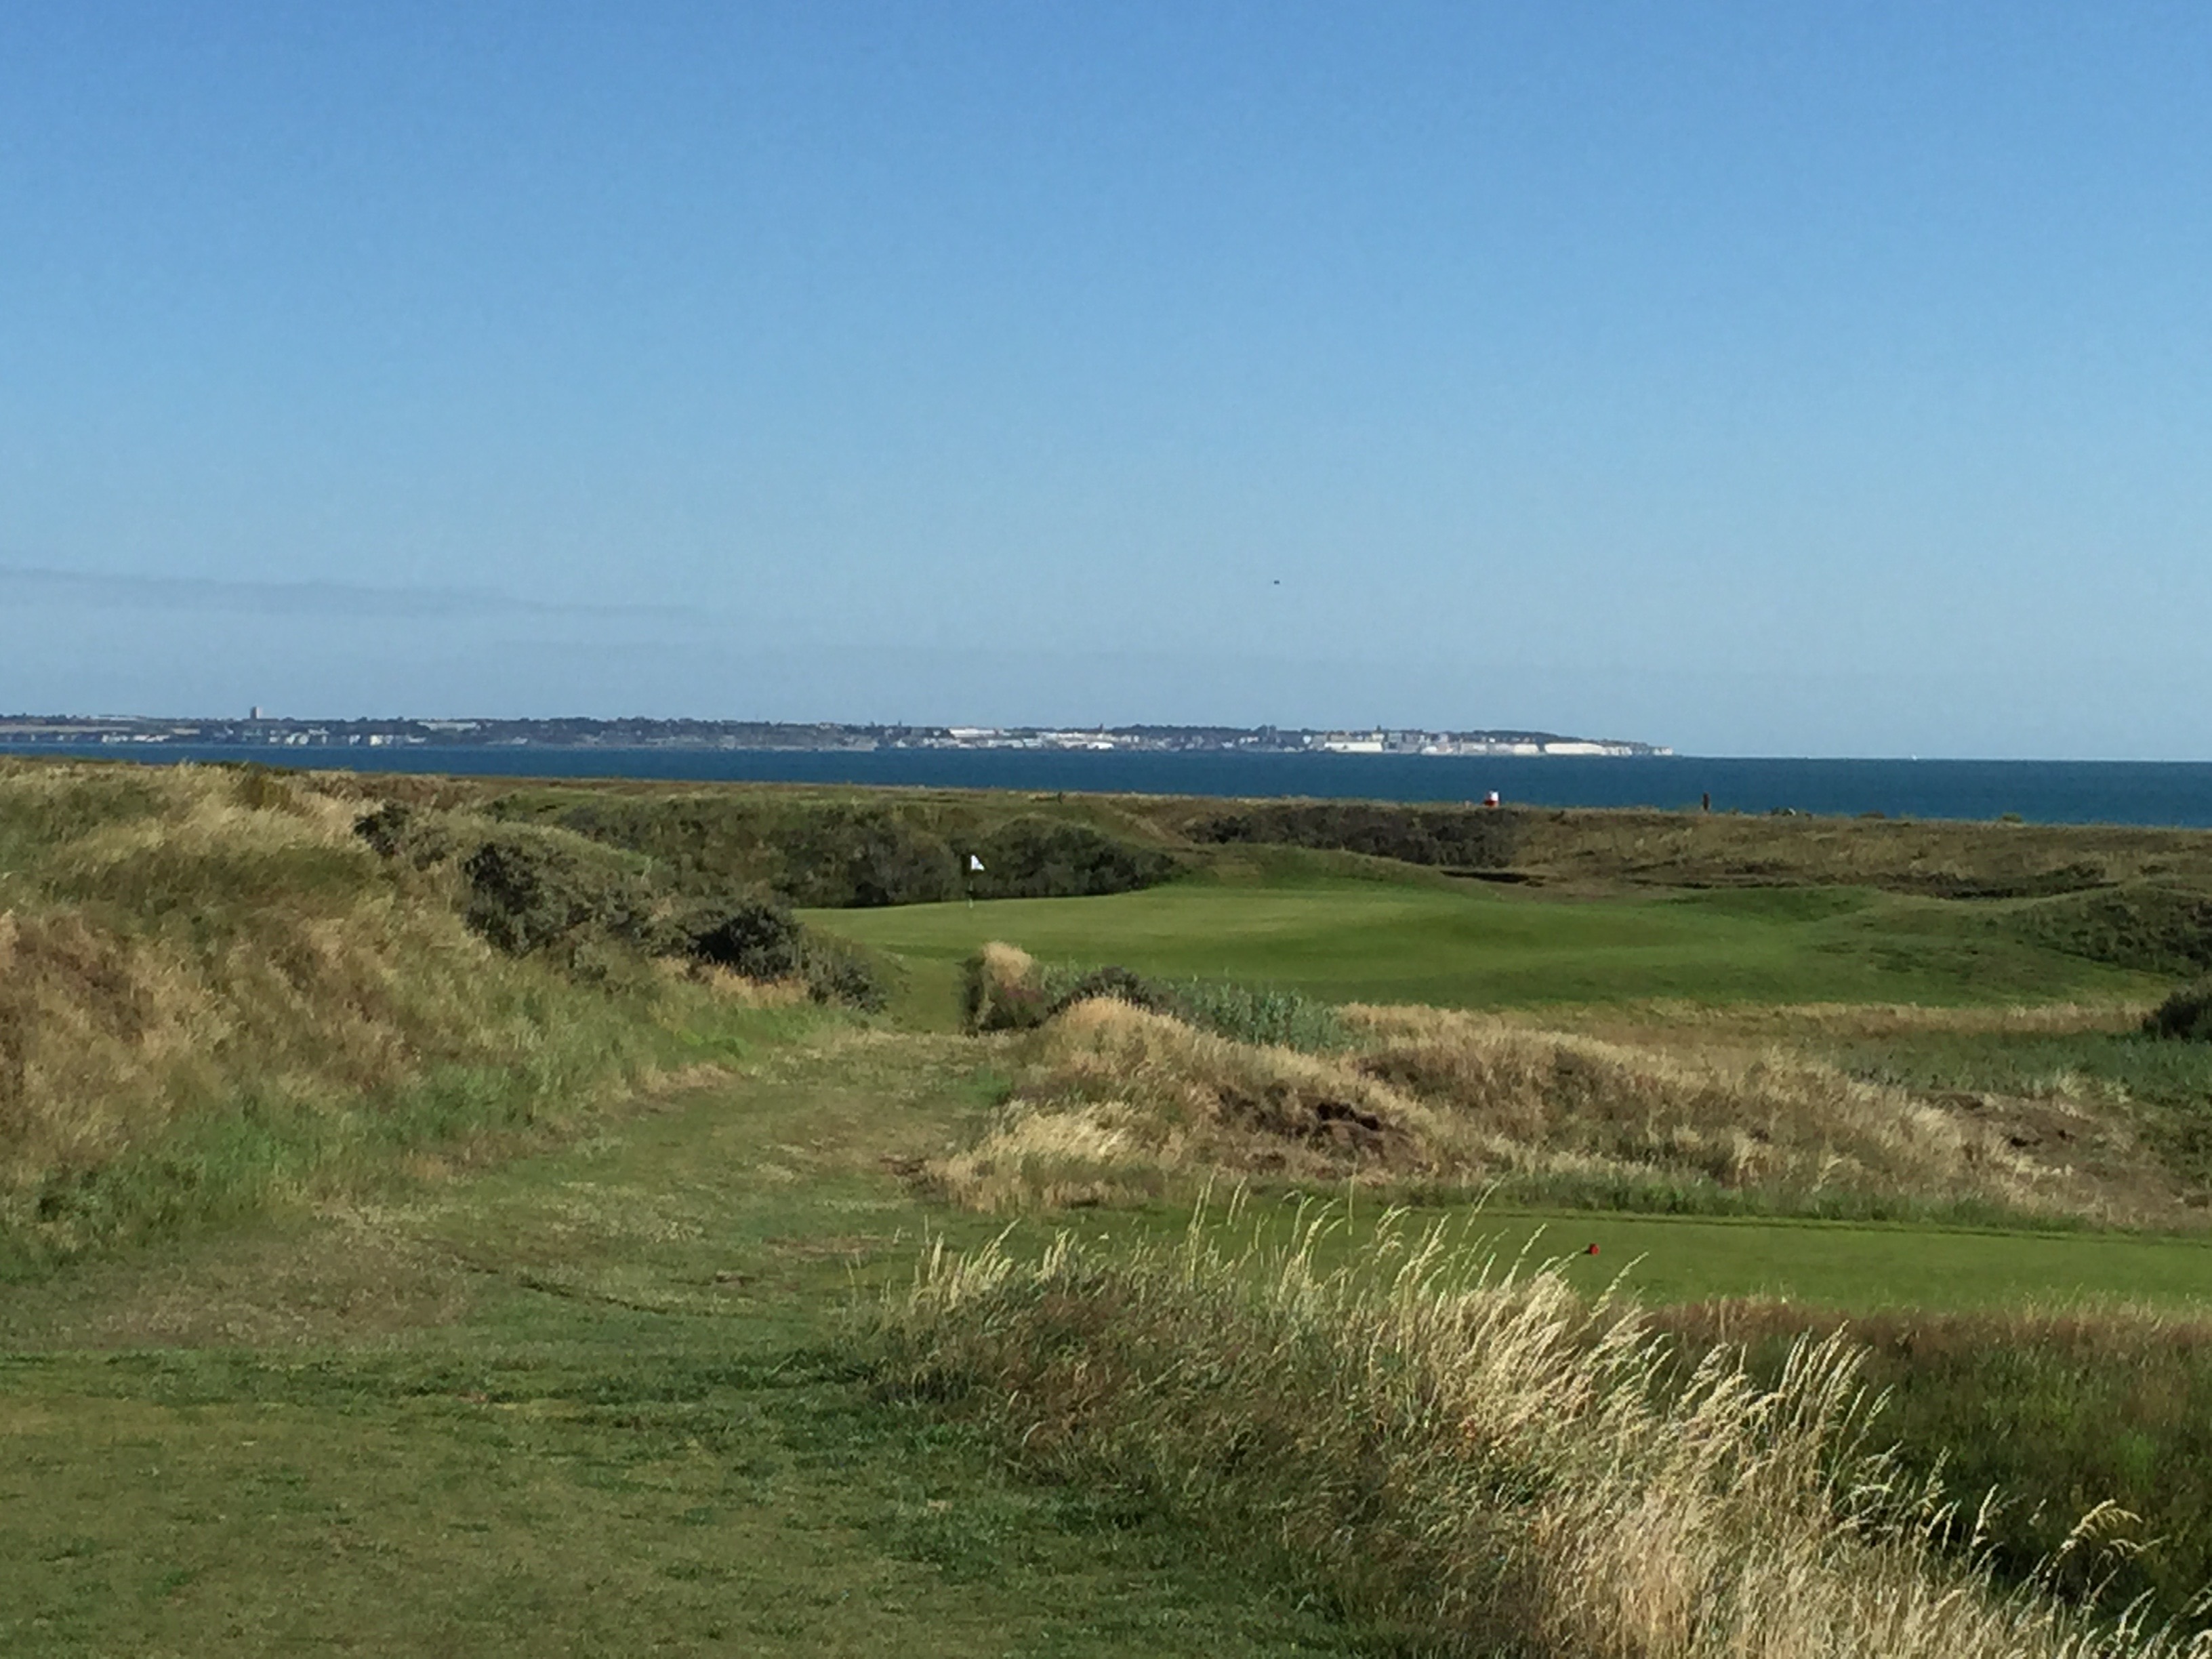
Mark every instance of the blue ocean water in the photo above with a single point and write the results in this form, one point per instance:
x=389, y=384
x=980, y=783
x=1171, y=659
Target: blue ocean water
x=2044, y=792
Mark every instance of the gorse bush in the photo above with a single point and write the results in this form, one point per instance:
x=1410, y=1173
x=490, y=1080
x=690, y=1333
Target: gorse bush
x=1048, y=858
x=835, y=971
x=844, y=853
x=757, y=939
x=531, y=890
x=1467, y=1460
x=2187, y=1013
x=1482, y=838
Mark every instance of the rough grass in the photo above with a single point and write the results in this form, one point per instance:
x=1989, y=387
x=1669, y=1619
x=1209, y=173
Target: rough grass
x=2155, y=926
x=1478, y=1462
x=1938, y=858
x=2053, y=1408
x=214, y=996
x=1115, y=1103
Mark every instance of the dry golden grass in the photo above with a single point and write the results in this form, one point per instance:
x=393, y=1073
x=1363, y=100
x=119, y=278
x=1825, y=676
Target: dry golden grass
x=1115, y=1102
x=1112, y=1103
x=1478, y=1462
x=1669, y=1023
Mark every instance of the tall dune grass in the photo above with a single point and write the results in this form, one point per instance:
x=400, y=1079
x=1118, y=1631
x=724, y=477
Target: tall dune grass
x=1473, y=1459
x=2056, y=1406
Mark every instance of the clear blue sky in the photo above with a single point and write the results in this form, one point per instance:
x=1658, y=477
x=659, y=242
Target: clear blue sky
x=1759, y=378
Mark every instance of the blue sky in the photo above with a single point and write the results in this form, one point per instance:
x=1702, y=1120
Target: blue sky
x=1759, y=378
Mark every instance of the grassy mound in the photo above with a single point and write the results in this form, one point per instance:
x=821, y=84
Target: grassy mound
x=1116, y=1102
x=1474, y=1462
x=2154, y=926
x=215, y=995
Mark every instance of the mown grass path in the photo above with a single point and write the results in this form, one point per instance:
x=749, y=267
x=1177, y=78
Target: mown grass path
x=590, y=1404
x=596, y=1402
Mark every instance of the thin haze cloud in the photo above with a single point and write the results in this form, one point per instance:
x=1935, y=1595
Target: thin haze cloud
x=29, y=587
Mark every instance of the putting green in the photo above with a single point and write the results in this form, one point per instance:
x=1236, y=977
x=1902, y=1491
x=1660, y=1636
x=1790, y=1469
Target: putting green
x=1425, y=939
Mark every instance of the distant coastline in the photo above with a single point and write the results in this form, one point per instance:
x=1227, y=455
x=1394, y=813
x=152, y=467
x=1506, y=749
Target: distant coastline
x=261, y=732
x=2173, y=794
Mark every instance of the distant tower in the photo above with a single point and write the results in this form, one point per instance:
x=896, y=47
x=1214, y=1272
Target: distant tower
x=256, y=712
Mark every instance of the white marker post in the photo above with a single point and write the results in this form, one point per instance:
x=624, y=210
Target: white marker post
x=975, y=869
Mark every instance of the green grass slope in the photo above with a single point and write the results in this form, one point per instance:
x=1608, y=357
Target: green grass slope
x=1419, y=939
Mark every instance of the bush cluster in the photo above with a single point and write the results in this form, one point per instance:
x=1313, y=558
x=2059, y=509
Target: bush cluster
x=843, y=855
x=1035, y=857
x=1466, y=837
x=538, y=890
x=529, y=891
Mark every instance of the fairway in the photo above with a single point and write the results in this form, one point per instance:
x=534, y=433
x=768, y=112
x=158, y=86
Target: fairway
x=591, y=1402
x=1665, y=1259
x=1465, y=945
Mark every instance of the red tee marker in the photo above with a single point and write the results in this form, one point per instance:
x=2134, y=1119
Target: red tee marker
x=1591, y=1251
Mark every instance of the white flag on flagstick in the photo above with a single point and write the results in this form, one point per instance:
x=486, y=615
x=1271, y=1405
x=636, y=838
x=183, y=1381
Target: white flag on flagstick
x=974, y=864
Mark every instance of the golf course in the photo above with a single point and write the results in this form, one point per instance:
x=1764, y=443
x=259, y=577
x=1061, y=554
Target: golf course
x=444, y=1216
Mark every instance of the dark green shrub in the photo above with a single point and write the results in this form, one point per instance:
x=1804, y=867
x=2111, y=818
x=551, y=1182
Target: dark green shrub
x=396, y=830
x=2186, y=1014
x=758, y=940
x=1467, y=837
x=862, y=857
x=843, y=853
x=534, y=890
x=842, y=973
x=1050, y=857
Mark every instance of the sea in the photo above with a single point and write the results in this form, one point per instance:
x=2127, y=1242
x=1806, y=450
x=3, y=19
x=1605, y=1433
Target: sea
x=2177, y=794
